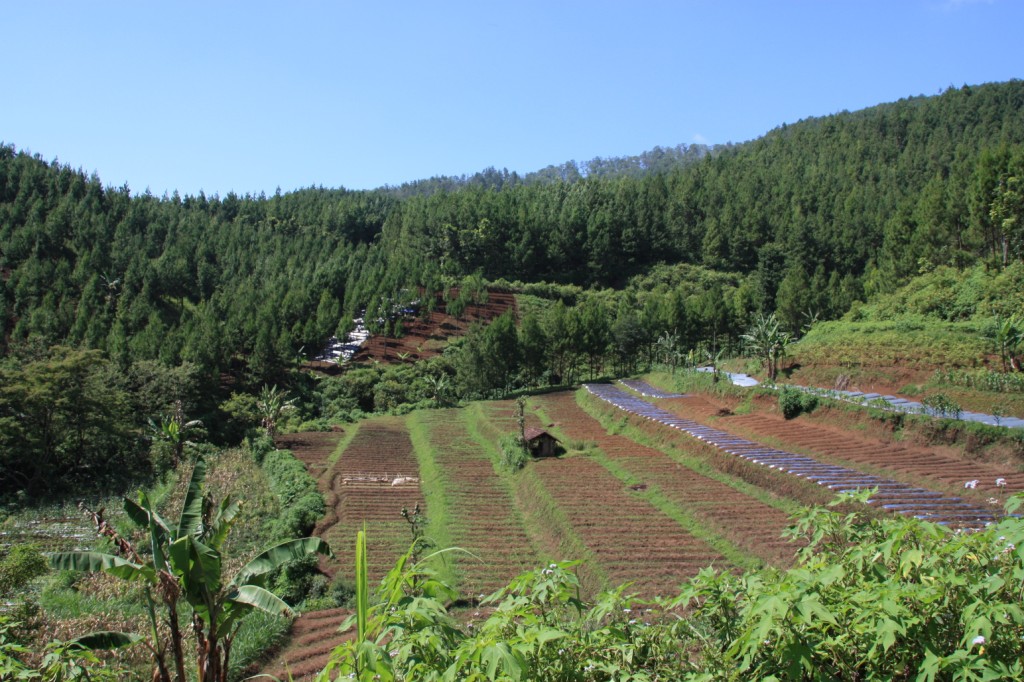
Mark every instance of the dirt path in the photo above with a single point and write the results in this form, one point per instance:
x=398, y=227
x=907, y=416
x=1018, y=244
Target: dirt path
x=371, y=482
x=313, y=634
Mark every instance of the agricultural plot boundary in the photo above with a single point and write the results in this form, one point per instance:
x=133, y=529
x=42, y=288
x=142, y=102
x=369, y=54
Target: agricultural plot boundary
x=885, y=402
x=891, y=495
x=747, y=531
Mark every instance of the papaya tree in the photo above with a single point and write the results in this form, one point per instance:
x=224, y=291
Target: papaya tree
x=183, y=563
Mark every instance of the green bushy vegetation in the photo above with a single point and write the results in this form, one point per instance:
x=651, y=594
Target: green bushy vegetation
x=859, y=604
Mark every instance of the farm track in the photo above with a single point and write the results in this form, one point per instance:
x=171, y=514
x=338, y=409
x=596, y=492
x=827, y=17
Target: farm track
x=481, y=510
x=748, y=523
x=314, y=634
x=907, y=461
x=358, y=491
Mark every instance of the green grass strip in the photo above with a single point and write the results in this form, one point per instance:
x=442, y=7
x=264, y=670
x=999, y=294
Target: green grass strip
x=550, y=531
x=433, y=485
x=346, y=437
x=601, y=411
x=692, y=524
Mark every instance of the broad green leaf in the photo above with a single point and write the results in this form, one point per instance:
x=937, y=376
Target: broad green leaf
x=94, y=562
x=501, y=655
x=198, y=566
x=143, y=512
x=254, y=571
x=191, y=519
x=106, y=640
x=260, y=598
x=222, y=523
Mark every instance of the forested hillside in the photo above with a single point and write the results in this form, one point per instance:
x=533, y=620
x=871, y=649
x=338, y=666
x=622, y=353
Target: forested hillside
x=233, y=290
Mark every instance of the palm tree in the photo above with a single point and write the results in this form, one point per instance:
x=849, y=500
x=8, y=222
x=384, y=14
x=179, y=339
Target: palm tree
x=184, y=562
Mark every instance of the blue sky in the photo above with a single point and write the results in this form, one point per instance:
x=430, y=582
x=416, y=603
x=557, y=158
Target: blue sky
x=250, y=96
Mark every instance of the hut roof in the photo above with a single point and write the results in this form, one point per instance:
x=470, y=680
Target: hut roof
x=532, y=433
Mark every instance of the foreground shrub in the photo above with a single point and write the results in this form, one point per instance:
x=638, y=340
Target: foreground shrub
x=869, y=598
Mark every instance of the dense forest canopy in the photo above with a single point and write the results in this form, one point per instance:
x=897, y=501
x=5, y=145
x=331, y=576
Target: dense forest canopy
x=804, y=221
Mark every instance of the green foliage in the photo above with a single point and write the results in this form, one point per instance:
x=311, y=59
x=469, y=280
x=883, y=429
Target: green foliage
x=982, y=380
x=791, y=401
x=63, y=426
x=183, y=566
x=514, y=454
x=73, y=661
x=301, y=503
x=22, y=564
x=768, y=341
x=869, y=598
x=941, y=405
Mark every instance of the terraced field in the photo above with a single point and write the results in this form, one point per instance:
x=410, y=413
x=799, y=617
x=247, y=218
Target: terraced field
x=898, y=496
x=747, y=522
x=359, y=490
x=481, y=511
x=627, y=538
x=630, y=512
x=374, y=479
x=904, y=461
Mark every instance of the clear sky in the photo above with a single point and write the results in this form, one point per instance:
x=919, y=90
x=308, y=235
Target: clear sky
x=250, y=96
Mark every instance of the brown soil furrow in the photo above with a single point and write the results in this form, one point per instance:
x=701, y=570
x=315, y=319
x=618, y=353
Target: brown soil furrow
x=481, y=510
x=313, y=635
x=758, y=530
x=424, y=336
x=910, y=463
x=380, y=450
x=613, y=524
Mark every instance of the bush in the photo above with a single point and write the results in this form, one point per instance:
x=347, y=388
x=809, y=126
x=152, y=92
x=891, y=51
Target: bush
x=790, y=402
x=942, y=405
x=301, y=502
x=260, y=447
x=514, y=454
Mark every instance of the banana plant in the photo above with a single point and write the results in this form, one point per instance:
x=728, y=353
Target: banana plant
x=184, y=562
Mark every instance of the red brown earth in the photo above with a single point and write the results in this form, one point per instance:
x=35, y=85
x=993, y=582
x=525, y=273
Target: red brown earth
x=425, y=337
x=630, y=540
x=481, y=509
x=936, y=468
x=362, y=489
x=746, y=522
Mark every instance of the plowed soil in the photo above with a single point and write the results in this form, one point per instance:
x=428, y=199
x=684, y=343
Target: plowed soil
x=926, y=467
x=630, y=539
x=359, y=492
x=426, y=336
x=744, y=521
x=481, y=509
x=376, y=477
x=313, y=634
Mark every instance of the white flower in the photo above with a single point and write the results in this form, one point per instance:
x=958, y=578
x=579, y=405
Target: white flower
x=980, y=639
x=553, y=566
x=1000, y=482
x=971, y=485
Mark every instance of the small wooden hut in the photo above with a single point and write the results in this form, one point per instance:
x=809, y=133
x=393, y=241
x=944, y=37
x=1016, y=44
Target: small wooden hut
x=540, y=443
